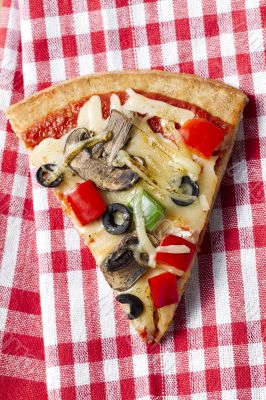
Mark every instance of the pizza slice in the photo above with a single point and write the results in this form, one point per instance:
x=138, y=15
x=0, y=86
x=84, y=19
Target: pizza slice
x=135, y=159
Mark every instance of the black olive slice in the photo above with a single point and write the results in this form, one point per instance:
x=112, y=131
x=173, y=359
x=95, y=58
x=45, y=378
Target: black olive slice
x=189, y=187
x=110, y=219
x=44, y=172
x=136, y=305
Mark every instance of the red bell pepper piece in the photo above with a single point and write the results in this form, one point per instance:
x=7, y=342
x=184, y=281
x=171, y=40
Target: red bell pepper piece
x=182, y=260
x=164, y=289
x=202, y=136
x=86, y=202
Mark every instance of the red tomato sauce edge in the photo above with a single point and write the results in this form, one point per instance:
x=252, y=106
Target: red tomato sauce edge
x=57, y=124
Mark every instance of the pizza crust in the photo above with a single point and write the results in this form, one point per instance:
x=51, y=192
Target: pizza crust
x=212, y=96
x=215, y=97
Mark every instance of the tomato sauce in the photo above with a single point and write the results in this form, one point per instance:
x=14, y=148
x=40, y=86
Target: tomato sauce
x=54, y=125
x=155, y=125
x=59, y=123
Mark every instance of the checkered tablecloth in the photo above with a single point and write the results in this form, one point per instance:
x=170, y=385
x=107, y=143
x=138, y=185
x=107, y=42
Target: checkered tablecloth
x=216, y=345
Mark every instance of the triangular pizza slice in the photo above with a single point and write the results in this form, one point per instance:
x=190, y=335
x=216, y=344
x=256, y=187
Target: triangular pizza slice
x=135, y=159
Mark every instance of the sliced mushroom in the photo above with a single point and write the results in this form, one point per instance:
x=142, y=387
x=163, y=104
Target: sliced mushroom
x=104, y=176
x=187, y=187
x=134, y=302
x=97, y=150
x=76, y=136
x=120, y=127
x=80, y=134
x=90, y=164
x=44, y=172
x=120, y=268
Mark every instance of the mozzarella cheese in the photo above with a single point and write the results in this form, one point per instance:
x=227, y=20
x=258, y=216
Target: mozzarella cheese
x=90, y=115
x=174, y=249
x=140, y=104
x=204, y=202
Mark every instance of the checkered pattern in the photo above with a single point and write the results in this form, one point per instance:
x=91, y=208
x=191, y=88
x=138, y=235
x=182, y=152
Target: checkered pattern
x=216, y=345
x=22, y=365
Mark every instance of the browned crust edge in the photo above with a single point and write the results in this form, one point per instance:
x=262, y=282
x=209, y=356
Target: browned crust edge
x=217, y=98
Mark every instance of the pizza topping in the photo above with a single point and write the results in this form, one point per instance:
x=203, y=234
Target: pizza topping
x=167, y=227
x=104, y=176
x=153, y=211
x=76, y=137
x=141, y=104
x=187, y=188
x=117, y=219
x=174, y=249
x=202, y=136
x=145, y=244
x=198, y=112
x=156, y=125
x=86, y=202
x=90, y=166
x=44, y=172
x=204, y=202
x=85, y=140
x=164, y=289
x=178, y=156
x=125, y=159
x=139, y=160
x=172, y=270
x=91, y=115
x=90, y=141
x=181, y=260
x=120, y=127
x=95, y=163
x=120, y=268
x=134, y=302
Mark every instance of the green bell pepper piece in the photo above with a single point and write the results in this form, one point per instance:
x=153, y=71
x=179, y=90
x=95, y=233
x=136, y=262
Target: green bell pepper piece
x=153, y=211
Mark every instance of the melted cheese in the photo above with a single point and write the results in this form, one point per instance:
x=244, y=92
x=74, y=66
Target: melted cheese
x=173, y=270
x=143, y=105
x=51, y=151
x=165, y=161
x=90, y=115
x=204, y=202
x=115, y=103
x=142, y=290
x=178, y=158
x=174, y=249
x=169, y=227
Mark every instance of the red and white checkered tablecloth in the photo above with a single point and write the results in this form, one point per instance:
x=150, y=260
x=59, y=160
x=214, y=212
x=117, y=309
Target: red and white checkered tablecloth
x=78, y=344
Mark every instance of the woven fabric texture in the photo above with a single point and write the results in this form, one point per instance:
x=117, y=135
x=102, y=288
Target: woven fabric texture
x=215, y=348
